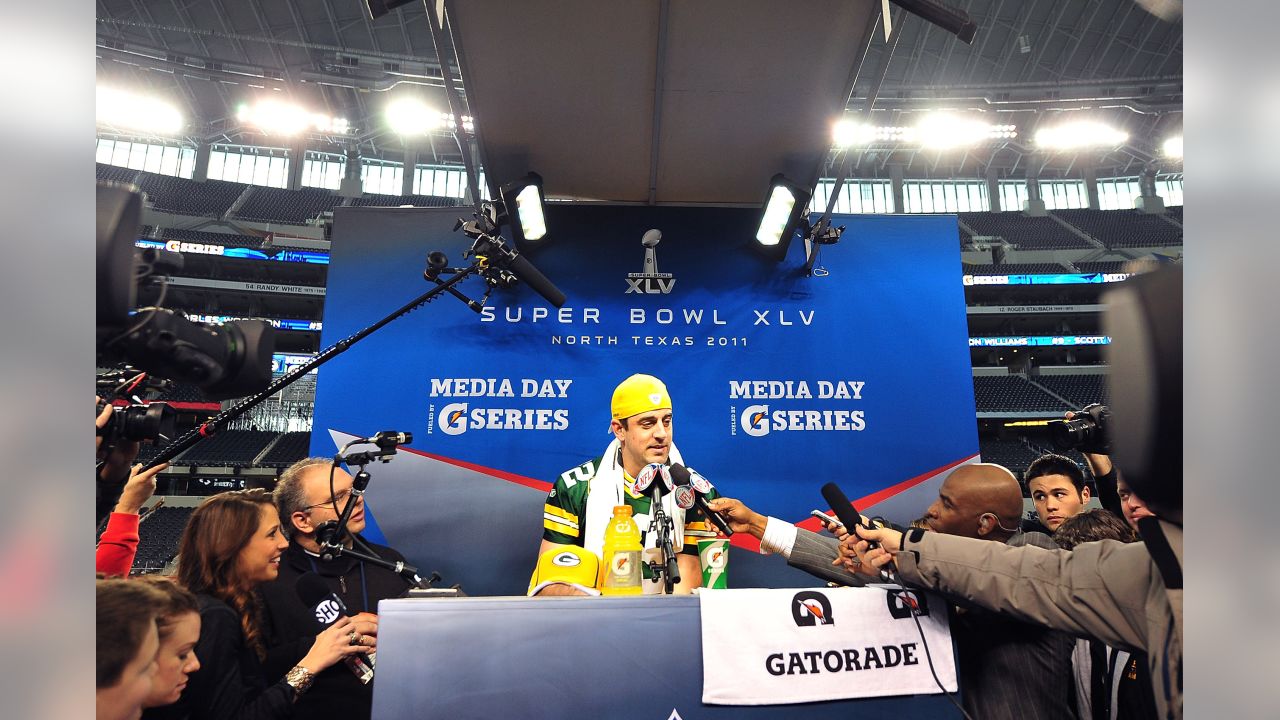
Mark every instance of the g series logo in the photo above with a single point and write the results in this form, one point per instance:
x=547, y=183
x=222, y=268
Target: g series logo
x=457, y=418
x=759, y=420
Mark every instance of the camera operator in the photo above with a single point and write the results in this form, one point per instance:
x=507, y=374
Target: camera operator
x=1097, y=454
x=114, y=462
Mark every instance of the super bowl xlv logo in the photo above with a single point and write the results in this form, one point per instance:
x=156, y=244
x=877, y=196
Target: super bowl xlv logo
x=650, y=281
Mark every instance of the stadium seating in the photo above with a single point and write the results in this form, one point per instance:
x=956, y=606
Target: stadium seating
x=1012, y=393
x=1175, y=212
x=375, y=200
x=158, y=535
x=1081, y=390
x=188, y=197
x=183, y=392
x=1124, y=228
x=1027, y=233
x=212, y=238
x=290, y=448
x=1102, y=266
x=114, y=173
x=1017, y=269
x=1013, y=454
x=287, y=206
x=232, y=448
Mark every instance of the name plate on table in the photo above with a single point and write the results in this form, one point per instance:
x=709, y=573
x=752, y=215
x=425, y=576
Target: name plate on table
x=770, y=647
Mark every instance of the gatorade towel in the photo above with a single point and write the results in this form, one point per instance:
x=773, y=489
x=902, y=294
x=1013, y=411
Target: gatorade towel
x=714, y=555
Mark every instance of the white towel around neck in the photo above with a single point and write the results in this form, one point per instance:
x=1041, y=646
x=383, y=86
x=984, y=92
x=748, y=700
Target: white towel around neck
x=607, y=489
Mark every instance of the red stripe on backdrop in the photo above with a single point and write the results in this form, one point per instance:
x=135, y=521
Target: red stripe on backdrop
x=500, y=474
x=748, y=542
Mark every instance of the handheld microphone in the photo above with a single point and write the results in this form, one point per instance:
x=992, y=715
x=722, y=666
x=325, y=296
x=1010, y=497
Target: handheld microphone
x=684, y=477
x=850, y=517
x=326, y=607
x=653, y=479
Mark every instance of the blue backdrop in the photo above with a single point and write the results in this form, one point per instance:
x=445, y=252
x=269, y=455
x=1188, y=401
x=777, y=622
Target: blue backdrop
x=780, y=382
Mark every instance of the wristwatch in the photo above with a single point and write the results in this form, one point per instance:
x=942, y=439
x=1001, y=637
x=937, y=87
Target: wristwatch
x=299, y=678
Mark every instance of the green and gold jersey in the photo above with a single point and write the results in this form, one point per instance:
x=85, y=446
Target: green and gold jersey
x=564, y=515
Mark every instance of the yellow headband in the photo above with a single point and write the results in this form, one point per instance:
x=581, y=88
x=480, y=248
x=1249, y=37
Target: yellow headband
x=638, y=394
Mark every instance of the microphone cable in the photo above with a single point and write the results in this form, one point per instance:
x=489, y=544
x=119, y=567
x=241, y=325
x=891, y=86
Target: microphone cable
x=910, y=602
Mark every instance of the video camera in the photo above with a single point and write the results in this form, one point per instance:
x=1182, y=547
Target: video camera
x=1087, y=431
x=226, y=361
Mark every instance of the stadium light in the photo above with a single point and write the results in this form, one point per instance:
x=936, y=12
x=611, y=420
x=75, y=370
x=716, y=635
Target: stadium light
x=524, y=205
x=279, y=118
x=1081, y=134
x=851, y=132
x=125, y=110
x=1173, y=147
x=935, y=130
x=944, y=130
x=409, y=116
x=780, y=216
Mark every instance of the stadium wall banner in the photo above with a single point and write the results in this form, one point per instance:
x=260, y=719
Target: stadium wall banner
x=1045, y=279
x=1033, y=309
x=278, y=255
x=780, y=382
x=248, y=286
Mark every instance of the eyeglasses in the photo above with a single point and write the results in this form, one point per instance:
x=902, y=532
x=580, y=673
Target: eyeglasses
x=339, y=500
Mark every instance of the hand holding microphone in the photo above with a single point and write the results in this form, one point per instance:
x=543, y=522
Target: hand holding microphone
x=867, y=548
x=852, y=520
x=683, y=477
x=351, y=639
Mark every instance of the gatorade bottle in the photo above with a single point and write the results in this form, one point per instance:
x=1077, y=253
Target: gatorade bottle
x=621, y=569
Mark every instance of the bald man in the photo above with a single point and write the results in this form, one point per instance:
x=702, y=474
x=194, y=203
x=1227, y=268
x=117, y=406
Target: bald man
x=1008, y=669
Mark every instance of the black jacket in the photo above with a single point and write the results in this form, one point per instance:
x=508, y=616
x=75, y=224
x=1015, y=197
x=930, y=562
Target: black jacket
x=290, y=629
x=230, y=684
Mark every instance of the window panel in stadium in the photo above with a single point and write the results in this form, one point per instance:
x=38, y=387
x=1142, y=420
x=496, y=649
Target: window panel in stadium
x=945, y=196
x=857, y=196
x=383, y=178
x=323, y=170
x=1169, y=187
x=251, y=166
x=148, y=157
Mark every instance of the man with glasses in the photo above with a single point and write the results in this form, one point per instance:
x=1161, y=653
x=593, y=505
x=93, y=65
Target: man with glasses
x=306, y=501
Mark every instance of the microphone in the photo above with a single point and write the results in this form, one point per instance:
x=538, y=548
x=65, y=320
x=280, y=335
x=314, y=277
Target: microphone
x=851, y=518
x=531, y=276
x=684, y=477
x=326, y=607
x=391, y=438
x=653, y=479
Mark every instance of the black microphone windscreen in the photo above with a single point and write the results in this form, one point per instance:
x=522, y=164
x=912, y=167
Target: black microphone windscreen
x=529, y=275
x=679, y=474
x=841, y=506
x=312, y=589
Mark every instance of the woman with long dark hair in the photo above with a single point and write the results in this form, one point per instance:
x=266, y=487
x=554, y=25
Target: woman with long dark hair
x=231, y=544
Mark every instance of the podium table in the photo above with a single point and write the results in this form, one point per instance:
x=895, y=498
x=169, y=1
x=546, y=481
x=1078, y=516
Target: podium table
x=573, y=657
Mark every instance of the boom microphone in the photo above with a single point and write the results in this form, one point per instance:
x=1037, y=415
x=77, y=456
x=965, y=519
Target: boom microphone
x=326, y=607
x=391, y=438
x=850, y=517
x=683, y=477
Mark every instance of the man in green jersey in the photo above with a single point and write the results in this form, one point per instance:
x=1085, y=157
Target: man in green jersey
x=582, y=499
